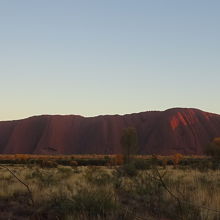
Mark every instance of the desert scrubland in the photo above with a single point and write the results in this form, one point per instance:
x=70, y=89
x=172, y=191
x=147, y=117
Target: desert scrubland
x=148, y=188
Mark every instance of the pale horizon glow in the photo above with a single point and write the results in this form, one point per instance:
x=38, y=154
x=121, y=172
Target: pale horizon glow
x=98, y=57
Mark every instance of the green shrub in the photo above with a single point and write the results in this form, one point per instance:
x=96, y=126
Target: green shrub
x=99, y=202
x=150, y=191
x=65, y=171
x=73, y=163
x=97, y=176
x=127, y=169
x=86, y=202
x=91, y=162
x=141, y=164
x=48, y=164
x=57, y=205
x=44, y=179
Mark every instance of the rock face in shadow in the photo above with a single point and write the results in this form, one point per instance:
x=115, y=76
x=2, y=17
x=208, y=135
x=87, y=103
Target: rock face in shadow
x=178, y=130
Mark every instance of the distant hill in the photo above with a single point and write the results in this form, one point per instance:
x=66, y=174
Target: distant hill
x=180, y=130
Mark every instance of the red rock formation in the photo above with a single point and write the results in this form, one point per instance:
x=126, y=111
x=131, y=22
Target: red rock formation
x=178, y=130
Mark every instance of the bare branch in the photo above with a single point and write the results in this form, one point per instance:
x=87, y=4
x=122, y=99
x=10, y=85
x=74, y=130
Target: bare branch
x=22, y=182
x=160, y=179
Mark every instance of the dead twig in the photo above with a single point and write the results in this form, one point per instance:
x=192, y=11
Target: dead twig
x=160, y=179
x=22, y=182
x=167, y=189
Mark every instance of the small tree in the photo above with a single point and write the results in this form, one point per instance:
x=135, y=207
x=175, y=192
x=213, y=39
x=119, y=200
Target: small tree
x=129, y=143
x=213, y=149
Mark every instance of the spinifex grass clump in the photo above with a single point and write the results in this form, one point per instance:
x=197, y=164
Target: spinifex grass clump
x=97, y=176
x=92, y=202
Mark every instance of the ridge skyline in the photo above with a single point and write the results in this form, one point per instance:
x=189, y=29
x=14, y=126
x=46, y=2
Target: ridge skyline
x=110, y=114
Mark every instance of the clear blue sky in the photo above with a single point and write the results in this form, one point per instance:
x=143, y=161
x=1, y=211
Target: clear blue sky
x=92, y=57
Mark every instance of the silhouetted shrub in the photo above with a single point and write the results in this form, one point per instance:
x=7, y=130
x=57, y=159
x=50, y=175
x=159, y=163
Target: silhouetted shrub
x=141, y=164
x=91, y=162
x=213, y=149
x=128, y=169
x=48, y=164
x=73, y=163
x=129, y=143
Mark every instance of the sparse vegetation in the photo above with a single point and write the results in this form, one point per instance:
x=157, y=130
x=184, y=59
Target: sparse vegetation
x=144, y=189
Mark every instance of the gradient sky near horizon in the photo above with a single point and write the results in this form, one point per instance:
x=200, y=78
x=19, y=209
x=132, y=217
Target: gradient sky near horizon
x=108, y=56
